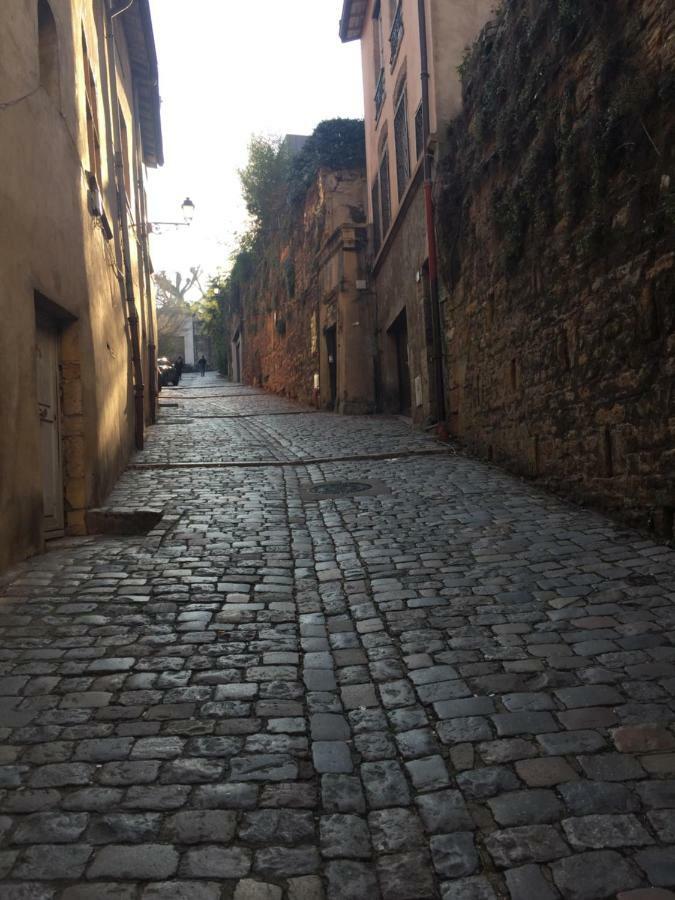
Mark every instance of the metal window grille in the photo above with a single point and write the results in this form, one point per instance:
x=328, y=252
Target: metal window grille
x=379, y=94
x=402, y=144
x=396, y=35
x=385, y=193
x=377, y=227
x=419, y=131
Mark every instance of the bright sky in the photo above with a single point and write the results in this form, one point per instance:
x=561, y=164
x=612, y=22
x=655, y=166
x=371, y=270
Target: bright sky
x=229, y=69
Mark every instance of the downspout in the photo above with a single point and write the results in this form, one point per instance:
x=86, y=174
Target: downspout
x=132, y=313
x=437, y=342
x=152, y=340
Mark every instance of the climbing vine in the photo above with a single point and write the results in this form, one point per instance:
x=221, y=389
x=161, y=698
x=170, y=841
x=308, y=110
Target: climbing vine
x=549, y=153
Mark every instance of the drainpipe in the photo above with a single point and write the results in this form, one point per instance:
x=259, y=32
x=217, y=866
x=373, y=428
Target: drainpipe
x=142, y=216
x=437, y=342
x=132, y=313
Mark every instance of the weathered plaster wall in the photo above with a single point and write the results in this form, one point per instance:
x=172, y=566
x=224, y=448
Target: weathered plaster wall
x=304, y=285
x=50, y=243
x=556, y=214
x=450, y=27
x=401, y=287
x=399, y=282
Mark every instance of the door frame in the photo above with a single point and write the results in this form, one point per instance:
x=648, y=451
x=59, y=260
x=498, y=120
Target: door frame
x=398, y=332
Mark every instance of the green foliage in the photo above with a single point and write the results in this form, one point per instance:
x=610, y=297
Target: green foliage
x=273, y=184
x=262, y=179
x=564, y=126
x=223, y=295
x=334, y=144
x=213, y=311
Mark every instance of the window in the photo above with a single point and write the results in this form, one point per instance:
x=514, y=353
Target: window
x=419, y=131
x=378, y=59
x=93, y=138
x=378, y=44
x=377, y=227
x=48, y=50
x=401, y=142
x=396, y=33
x=385, y=193
x=124, y=149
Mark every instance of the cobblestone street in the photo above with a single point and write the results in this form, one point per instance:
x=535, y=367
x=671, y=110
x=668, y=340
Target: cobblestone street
x=433, y=681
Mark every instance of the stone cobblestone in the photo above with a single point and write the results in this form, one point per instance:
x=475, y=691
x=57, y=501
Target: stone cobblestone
x=451, y=686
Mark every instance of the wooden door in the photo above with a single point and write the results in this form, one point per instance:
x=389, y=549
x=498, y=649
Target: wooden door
x=48, y=390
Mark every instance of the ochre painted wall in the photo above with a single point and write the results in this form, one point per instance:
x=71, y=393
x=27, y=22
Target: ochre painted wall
x=49, y=243
x=398, y=264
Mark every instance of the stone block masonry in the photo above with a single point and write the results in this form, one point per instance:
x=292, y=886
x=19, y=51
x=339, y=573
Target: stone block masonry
x=457, y=688
x=306, y=328
x=556, y=215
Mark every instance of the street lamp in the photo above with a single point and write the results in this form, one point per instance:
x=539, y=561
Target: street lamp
x=188, y=210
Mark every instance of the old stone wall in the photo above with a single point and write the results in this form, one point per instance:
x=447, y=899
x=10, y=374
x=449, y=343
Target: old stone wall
x=293, y=297
x=556, y=218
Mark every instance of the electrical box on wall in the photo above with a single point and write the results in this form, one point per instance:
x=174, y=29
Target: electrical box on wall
x=361, y=285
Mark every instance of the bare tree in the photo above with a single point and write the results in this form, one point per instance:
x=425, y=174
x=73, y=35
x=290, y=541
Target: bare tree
x=174, y=293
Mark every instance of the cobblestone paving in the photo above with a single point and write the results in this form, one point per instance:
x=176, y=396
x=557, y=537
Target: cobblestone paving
x=453, y=687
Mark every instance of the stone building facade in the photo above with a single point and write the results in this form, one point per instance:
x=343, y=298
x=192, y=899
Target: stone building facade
x=556, y=220
x=303, y=325
x=391, y=49
x=79, y=120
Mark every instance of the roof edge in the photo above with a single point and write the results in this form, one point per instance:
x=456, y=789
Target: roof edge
x=344, y=20
x=136, y=23
x=348, y=34
x=149, y=33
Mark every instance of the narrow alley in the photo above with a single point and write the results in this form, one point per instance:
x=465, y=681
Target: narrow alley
x=346, y=662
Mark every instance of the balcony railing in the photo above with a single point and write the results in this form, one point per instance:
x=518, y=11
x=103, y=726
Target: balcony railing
x=379, y=94
x=396, y=35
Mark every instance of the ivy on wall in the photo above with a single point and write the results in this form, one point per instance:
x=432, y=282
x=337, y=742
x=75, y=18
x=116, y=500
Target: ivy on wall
x=275, y=183
x=548, y=152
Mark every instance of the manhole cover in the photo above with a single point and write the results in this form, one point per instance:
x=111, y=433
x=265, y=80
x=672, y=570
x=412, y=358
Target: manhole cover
x=342, y=489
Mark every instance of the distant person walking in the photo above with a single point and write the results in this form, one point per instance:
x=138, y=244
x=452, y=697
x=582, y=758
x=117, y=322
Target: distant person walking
x=202, y=365
x=178, y=365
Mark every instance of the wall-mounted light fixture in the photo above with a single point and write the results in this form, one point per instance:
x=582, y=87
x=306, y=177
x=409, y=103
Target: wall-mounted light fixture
x=188, y=210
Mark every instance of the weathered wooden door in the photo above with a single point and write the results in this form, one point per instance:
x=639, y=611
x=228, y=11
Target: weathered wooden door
x=48, y=390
